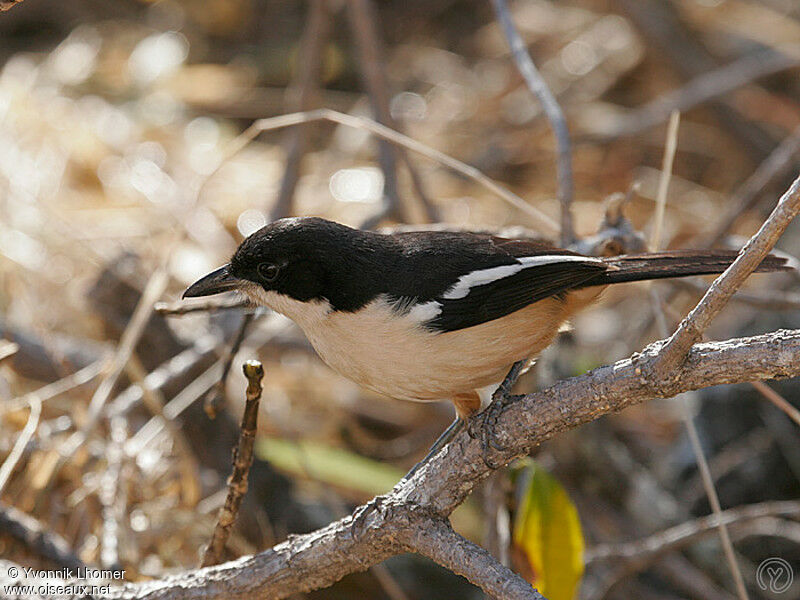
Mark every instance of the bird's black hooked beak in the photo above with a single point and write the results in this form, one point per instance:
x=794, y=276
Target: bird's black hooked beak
x=215, y=282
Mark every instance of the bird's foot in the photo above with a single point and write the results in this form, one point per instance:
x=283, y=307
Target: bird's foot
x=483, y=426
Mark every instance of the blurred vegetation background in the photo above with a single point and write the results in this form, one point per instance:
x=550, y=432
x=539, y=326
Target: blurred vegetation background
x=118, y=188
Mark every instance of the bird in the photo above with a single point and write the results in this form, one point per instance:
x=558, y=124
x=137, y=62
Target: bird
x=431, y=315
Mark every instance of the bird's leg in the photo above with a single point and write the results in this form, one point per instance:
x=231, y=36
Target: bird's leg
x=483, y=425
x=452, y=431
x=466, y=404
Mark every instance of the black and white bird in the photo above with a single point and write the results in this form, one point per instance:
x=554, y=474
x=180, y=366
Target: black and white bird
x=430, y=315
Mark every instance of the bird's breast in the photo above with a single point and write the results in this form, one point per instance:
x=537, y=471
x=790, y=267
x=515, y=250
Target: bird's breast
x=392, y=353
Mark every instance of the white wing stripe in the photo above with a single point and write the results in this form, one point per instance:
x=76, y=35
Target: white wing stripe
x=422, y=313
x=466, y=282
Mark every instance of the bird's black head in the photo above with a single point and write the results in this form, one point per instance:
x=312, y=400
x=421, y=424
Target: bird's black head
x=294, y=257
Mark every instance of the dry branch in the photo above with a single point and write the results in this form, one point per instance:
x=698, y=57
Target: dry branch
x=650, y=548
x=363, y=24
x=242, y=461
x=543, y=222
x=724, y=287
x=216, y=395
x=635, y=556
x=304, y=95
x=706, y=87
x=38, y=538
x=207, y=305
x=538, y=86
x=8, y=4
x=777, y=164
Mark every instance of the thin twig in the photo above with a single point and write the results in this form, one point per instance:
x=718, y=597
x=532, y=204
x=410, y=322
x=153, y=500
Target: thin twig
x=216, y=395
x=779, y=401
x=242, y=461
x=713, y=500
x=664, y=29
x=56, y=388
x=706, y=87
x=555, y=115
x=743, y=199
x=303, y=95
x=637, y=555
x=8, y=349
x=542, y=221
x=130, y=337
x=38, y=538
x=364, y=28
x=22, y=440
x=663, y=182
x=372, y=67
x=112, y=499
x=702, y=463
x=207, y=305
x=154, y=400
x=774, y=300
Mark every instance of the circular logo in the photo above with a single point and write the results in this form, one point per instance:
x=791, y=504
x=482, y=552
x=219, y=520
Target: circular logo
x=774, y=574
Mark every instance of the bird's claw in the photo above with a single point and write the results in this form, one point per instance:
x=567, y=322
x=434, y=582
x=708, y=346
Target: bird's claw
x=483, y=426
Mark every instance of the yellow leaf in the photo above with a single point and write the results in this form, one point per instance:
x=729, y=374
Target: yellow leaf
x=547, y=536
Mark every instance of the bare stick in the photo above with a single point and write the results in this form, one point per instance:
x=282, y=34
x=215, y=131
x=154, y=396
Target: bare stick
x=691, y=429
x=242, y=460
x=543, y=222
x=62, y=386
x=22, y=440
x=304, y=95
x=215, y=395
x=679, y=536
x=437, y=540
x=364, y=28
x=635, y=556
x=692, y=327
x=7, y=349
x=130, y=337
x=208, y=305
x=554, y=114
x=8, y=4
x=371, y=64
x=774, y=300
x=38, y=538
x=779, y=401
x=708, y=86
x=775, y=165
x=663, y=182
x=713, y=500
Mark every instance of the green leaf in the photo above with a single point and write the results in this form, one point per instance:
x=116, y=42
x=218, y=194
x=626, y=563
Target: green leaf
x=330, y=465
x=547, y=536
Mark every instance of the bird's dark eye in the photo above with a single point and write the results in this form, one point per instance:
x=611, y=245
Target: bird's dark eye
x=268, y=271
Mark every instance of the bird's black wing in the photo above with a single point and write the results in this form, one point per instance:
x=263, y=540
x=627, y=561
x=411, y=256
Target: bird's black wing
x=508, y=294
x=477, y=278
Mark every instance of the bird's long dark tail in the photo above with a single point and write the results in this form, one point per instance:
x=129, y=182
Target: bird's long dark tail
x=677, y=263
